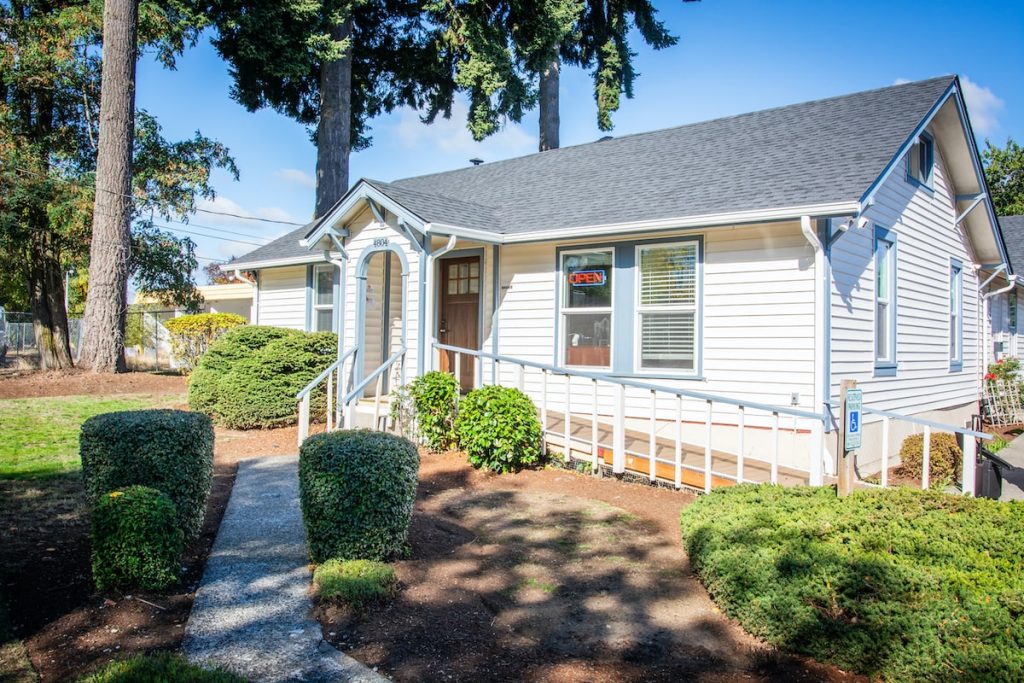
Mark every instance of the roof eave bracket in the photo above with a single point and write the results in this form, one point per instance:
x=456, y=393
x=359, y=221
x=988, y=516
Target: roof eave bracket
x=978, y=199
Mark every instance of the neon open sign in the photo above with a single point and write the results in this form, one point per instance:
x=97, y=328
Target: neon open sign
x=587, y=278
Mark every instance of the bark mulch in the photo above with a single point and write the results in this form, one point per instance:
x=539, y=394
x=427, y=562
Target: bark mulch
x=551, y=575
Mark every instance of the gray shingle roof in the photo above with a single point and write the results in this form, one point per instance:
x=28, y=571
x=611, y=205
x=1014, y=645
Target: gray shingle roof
x=1013, y=234
x=813, y=153
x=817, y=152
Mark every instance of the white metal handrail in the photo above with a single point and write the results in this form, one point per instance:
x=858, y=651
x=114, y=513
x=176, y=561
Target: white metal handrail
x=303, y=396
x=619, y=452
x=354, y=393
x=323, y=375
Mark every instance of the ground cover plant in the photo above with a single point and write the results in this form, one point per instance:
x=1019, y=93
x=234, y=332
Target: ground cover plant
x=169, y=450
x=900, y=584
x=354, y=582
x=39, y=436
x=163, y=667
x=498, y=428
x=357, y=490
x=249, y=377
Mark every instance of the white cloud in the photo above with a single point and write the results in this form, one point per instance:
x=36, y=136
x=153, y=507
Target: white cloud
x=901, y=81
x=220, y=231
x=294, y=175
x=450, y=136
x=983, y=105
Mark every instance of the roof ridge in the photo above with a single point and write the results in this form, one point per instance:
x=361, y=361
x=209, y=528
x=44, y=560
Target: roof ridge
x=403, y=188
x=553, y=152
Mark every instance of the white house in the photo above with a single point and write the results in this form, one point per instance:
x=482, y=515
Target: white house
x=1007, y=301
x=697, y=291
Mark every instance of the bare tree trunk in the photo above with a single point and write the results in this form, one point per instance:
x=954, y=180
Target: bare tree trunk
x=46, y=294
x=334, y=131
x=107, y=300
x=549, y=119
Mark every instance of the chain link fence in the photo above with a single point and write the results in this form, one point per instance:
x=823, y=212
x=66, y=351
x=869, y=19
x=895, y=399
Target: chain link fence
x=147, y=342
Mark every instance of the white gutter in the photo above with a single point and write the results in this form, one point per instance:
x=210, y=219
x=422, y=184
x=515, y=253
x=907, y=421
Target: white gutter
x=1011, y=280
x=821, y=299
x=706, y=220
x=275, y=263
x=429, y=305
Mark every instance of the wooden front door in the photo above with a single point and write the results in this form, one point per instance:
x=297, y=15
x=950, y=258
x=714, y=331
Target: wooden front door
x=458, y=321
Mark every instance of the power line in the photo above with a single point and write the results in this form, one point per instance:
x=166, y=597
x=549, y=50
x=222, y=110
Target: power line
x=212, y=237
x=133, y=198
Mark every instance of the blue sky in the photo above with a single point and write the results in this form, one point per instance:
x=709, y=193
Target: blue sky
x=734, y=56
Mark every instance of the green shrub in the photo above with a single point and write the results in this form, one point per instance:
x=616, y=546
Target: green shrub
x=136, y=541
x=898, y=584
x=160, y=667
x=228, y=349
x=168, y=450
x=498, y=428
x=357, y=490
x=259, y=390
x=435, y=397
x=944, y=456
x=191, y=335
x=996, y=444
x=355, y=582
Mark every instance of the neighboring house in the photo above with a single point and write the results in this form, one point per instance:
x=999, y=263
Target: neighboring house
x=1007, y=305
x=757, y=259
x=232, y=297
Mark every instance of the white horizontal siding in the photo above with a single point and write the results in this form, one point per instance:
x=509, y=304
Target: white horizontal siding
x=926, y=241
x=282, y=297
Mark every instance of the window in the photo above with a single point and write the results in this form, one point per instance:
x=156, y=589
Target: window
x=956, y=309
x=464, y=278
x=587, y=307
x=921, y=160
x=885, y=299
x=323, y=298
x=667, y=306
x=1013, y=312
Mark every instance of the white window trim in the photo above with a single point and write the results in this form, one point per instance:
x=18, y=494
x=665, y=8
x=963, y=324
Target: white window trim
x=639, y=308
x=316, y=308
x=956, y=286
x=564, y=310
x=887, y=364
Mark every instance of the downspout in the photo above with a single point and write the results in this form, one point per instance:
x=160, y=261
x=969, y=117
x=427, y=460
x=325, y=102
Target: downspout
x=987, y=324
x=430, y=304
x=821, y=299
x=421, y=277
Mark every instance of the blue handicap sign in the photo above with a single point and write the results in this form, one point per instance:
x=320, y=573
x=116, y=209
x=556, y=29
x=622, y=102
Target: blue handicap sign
x=854, y=422
x=854, y=401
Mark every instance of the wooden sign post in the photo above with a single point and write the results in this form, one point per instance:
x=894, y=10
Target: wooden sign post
x=850, y=402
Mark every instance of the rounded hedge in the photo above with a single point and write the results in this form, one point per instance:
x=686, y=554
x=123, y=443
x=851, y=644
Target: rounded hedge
x=249, y=377
x=136, y=540
x=895, y=584
x=498, y=428
x=168, y=450
x=435, y=397
x=944, y=457
x=357, y=490
x=220, y=357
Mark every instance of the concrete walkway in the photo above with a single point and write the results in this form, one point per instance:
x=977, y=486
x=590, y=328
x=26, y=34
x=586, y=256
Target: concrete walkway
x=252, y=610
x=1013, y=480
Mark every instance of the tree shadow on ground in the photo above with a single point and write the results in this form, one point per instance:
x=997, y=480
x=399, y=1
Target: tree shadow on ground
x=519, y=585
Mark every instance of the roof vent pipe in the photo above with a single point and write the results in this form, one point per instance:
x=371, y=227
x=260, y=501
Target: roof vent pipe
x=476, y=161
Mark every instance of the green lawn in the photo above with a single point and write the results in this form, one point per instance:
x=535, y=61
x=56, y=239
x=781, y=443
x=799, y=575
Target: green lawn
x=39, y=436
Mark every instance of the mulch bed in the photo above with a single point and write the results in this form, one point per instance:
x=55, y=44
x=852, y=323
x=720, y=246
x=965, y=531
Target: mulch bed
x=84, y=383
x=550, y=576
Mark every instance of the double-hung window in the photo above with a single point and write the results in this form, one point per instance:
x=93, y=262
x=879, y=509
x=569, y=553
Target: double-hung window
x=885, y=300
x=1012, y=313
x=667, y=301
x=921, y=160
x=956, y=316
x=323, y=298
x=587, y=307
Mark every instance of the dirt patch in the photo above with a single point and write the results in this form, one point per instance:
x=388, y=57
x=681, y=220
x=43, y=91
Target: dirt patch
x=550, y=576
x=67, y=629
x=83, y=383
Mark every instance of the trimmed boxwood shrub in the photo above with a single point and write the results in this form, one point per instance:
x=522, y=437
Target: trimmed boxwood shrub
x=191, y=335
x=435, y=397
x=498, y=428
x=357, y=490
x=168, y=450
x=354, y=582
x=162, y=667
x=944, y=456
x=136, y=540
x=897, y=584
x=228, y=349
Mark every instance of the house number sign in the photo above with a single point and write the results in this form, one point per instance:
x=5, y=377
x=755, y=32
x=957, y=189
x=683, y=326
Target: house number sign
x=381, y=242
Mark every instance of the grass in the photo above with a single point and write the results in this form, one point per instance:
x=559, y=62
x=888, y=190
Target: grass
x=162, y=667
x=895, y=584
x=354, y=582
x=39, y=436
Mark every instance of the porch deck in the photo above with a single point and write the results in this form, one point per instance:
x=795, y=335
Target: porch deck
x=724, y=466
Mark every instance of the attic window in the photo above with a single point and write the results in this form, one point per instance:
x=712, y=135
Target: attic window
x=921, y=160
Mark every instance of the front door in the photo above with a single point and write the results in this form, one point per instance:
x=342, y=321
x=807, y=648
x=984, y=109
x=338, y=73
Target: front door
x=458, y=322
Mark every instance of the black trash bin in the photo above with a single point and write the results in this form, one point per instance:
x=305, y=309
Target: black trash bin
x=988, y=475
